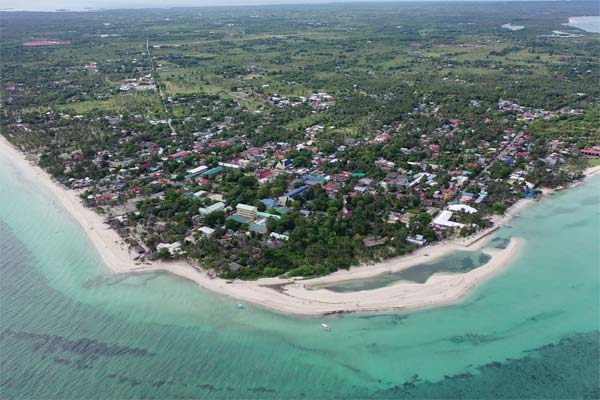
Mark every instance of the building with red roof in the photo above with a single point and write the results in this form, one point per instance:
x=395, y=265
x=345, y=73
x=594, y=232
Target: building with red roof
x=590, y=153
x=179, y=154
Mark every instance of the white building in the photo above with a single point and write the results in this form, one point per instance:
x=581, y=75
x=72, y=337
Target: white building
x=462, y=207
x=196, y=171
x=212, y=208
x=174, y=248
x=206, y=231
x=443, y=219
x=418, y=240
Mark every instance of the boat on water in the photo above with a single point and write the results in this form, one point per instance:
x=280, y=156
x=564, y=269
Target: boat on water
x=325, y=327
x=241, y=306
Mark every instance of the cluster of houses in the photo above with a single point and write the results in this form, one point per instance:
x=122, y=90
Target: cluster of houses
x=416, y=170
x=145, y=82
x=317, y=101
x=269, y=161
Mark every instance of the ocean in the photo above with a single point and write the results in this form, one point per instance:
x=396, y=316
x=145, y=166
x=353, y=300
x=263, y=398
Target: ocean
x=588, y=24
x=70, y=330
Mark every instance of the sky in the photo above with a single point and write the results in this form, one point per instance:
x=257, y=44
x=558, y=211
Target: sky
x=79, y=5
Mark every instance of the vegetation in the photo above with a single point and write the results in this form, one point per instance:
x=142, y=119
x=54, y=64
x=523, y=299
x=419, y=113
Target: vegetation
x=388, y=115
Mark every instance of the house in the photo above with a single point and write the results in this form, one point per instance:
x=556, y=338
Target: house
x=417, y=179
x=366, y=182
x=179, y=155
x=393, y=217
x=259, y=227
x=252, y=153
x=406, y=217
x=402, y=181
x=374, y=241
x=212, y=208
x=234, y=267
x=331, y=188
x=173, y=248
x=467, y=197
x=418, y=240
x=229, y=165
x=482, y=197
x=315, y=179
x=206, y=231
x=264, y=176
x=215, y=196
x=204, y=134
x=278, y=236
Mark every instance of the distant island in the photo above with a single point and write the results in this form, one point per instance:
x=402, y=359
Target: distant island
x=231, y=145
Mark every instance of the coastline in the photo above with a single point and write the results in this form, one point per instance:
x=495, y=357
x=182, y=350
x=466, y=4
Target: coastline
x=591, y=171
x=292, y=296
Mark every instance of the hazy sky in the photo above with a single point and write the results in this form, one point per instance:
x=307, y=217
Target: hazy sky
x=77, y=5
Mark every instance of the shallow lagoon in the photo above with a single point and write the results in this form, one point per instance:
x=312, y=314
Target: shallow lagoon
x=458, y=262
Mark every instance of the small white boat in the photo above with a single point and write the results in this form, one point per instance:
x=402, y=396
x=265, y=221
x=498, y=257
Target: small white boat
x=325, y=327
x=241, y=306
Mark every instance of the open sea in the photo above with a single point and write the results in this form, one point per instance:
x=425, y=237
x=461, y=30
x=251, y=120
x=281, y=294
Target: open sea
x=69, y=330
x=588, y=24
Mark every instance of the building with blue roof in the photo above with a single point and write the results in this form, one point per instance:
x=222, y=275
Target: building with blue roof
x=296, y=192
x=293, y=194
x=270, y=203
x=285, y=163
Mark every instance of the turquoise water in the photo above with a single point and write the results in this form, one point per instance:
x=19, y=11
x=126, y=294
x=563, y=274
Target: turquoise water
x=69, y=330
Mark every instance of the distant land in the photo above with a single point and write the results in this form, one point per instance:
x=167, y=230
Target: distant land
x=100, y=5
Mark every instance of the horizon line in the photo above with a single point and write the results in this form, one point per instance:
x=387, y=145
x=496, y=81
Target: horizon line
x=266, y=3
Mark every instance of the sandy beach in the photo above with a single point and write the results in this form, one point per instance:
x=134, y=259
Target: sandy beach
x=591, y=171
x=293, y=296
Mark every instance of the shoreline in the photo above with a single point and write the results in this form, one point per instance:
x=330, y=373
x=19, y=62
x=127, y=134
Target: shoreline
x=591, y=171
x=291, y=296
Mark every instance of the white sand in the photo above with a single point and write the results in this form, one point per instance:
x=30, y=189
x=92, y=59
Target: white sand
x=294, y=298
x=591, y=171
